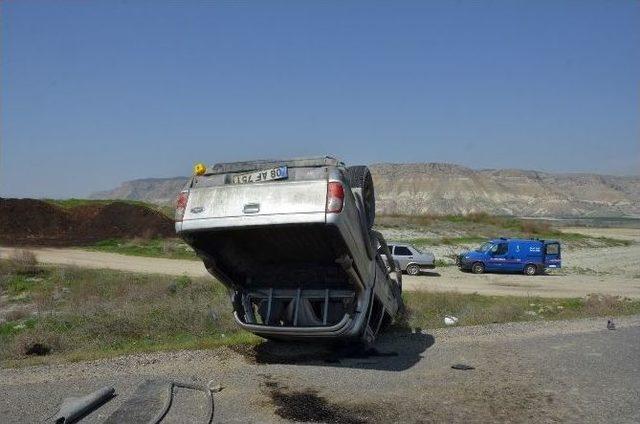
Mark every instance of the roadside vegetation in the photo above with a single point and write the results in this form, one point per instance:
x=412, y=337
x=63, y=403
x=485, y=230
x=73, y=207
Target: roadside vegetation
x=50, y=314
x=474, y=228
x=427, y=309
x=75, y=314
x=155, y=247
x=73, y=202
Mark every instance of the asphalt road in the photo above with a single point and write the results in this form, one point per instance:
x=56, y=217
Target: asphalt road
x=442, y=279
x=571, y=371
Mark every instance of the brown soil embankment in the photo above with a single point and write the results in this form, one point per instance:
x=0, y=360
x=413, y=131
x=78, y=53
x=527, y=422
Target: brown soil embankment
x=33, y=222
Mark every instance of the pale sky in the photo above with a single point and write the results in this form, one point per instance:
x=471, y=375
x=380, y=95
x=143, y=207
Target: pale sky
x=98, y=92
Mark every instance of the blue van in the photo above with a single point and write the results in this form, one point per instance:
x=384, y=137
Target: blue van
x=529, y=256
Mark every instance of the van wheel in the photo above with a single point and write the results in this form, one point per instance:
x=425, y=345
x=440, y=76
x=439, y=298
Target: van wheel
x=413, y=269
x=530, y=269
x=360, y=177
x=477, y=268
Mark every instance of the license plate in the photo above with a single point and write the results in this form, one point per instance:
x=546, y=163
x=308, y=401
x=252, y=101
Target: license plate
x=278, y=173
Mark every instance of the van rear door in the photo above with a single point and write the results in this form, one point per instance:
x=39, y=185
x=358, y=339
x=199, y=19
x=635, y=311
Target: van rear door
x=552, y=255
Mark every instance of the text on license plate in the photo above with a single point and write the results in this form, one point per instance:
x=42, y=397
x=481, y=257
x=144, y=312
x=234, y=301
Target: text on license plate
x=278, y=173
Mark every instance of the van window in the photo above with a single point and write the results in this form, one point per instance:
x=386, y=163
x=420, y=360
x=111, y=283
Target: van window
x=484, y=248
x=500, y=249
x=553, y=249
x=402, y=251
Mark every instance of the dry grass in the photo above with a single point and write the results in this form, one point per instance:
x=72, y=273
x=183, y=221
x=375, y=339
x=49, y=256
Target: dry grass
x=23, y=262
x=427, y=310
x=84, y=314
x=604, y=305
x=106, y=311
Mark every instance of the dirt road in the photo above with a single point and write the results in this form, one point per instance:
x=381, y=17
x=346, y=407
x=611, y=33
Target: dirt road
x=613, y=271
x=568, y=371
x=99, y=260
x=607, y=270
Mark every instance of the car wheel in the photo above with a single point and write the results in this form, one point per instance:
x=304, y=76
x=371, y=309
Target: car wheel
x=530, y=269
x=413, y=269
x=477, y=268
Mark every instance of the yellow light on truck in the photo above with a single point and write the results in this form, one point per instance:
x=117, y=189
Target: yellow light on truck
x=199, y=169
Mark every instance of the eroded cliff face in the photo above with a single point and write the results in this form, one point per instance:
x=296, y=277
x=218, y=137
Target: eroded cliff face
x=451, y=189
x=439, y=188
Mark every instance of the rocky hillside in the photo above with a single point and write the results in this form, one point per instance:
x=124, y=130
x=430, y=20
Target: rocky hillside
x=161, y=191
x=436, y=188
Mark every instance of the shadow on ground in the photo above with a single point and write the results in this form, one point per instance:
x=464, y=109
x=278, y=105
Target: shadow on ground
x=429, y=274
x=395, y=350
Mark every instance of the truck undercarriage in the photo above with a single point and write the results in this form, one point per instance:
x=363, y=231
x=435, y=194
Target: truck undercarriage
x=317, y=279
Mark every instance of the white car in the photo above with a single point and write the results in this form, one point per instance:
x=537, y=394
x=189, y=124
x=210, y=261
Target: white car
x=410, y=259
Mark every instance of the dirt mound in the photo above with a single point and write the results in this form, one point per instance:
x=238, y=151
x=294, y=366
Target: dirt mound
x=36, y=222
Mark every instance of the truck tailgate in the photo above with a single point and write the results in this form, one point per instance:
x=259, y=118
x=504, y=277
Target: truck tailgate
x=255, y=204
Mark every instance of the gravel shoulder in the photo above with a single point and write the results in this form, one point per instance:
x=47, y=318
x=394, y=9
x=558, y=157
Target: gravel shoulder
x=571, y=371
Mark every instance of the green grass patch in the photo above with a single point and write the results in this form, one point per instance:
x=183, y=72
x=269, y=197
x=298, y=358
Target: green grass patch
x=427, y=309
x=444, y=263
x=158, y=248
x=476, y=228
x=73, y=203
x=446, y=241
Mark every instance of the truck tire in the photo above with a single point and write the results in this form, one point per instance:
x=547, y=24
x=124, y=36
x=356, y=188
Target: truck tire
x=530, y=269
x=360, y=177
x=477, y=268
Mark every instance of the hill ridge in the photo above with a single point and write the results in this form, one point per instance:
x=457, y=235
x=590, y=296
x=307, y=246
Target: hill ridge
x=445, y=188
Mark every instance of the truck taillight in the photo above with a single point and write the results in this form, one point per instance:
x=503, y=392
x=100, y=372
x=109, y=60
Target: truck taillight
x=181, y=204
x=335, y=197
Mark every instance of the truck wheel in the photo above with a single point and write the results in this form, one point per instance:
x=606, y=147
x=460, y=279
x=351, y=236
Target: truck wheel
x=360, y=177
x=530, y=269
x=477, y=268
x=413, y=269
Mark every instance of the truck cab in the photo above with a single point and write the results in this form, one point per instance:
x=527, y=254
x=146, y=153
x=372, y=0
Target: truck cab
x=528, y=256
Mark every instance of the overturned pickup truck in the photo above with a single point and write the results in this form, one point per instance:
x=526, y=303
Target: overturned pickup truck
x=293, y=241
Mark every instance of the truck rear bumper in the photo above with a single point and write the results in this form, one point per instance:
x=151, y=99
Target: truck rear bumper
x=249, y=220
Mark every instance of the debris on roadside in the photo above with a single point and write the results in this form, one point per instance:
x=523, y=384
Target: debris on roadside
x=74, y=409
x=450, y=320
x=462, y=367
x=611, y=325
x=213, y=387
